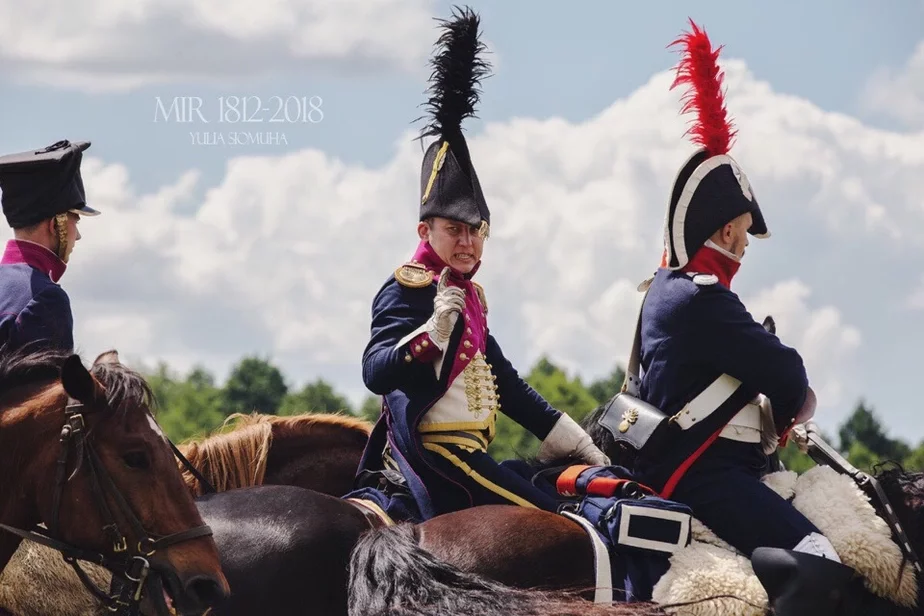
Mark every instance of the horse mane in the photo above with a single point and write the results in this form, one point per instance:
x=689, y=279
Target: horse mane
x=30, y=365
x=26, y=366
x=235, y=455
x=125, y=388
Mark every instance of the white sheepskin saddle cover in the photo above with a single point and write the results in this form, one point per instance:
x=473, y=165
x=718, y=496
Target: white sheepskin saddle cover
x=709, y=567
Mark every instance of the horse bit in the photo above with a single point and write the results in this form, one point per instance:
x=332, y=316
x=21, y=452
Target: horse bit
x=131, y=566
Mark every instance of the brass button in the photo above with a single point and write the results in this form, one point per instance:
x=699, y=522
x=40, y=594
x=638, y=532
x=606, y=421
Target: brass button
x=417, y=348
x=467, y=344
x=407, y=357
x=468, y=331
x=425, y=343
x=463, y=357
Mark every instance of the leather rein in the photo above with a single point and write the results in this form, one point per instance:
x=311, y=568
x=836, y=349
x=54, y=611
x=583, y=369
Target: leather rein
x=823, y=453
x=129, y=563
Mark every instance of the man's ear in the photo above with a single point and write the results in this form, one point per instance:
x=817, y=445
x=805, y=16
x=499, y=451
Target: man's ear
x=423, y=230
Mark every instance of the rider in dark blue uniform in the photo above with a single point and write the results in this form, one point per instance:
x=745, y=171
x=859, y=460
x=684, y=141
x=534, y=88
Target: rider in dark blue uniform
x=43, y=199
x=733, y=389
x=431, y=355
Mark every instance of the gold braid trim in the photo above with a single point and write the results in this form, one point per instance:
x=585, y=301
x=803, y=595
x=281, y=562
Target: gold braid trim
x=437, y=165
x=61, y=228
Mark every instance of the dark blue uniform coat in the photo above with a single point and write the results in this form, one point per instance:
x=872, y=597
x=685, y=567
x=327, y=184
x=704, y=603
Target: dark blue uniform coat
x=410, y=388
x=34, y=310
x=692, y=334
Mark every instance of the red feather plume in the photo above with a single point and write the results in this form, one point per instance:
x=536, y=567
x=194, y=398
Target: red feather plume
x=699, y=69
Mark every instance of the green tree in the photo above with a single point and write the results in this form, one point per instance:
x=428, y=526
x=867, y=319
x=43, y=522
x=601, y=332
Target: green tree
x=189, y=407
x=316, y=397
x=795, y=460
x=565, y=394
x=915, y=461
x=371, y=408
x=604, y=389
x=863, y=427
x=255, y=385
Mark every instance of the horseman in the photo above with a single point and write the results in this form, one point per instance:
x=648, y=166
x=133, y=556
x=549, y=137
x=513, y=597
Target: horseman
x=43, y=199
x=431, y=354
x=733, y=389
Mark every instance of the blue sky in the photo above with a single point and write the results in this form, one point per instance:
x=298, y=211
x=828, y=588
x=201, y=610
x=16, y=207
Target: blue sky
x=579, y=79
x=552, y=62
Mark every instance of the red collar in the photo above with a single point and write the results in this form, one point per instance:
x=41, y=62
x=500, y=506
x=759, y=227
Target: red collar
x=708, y=260
x=34, y=255
x=426, y=256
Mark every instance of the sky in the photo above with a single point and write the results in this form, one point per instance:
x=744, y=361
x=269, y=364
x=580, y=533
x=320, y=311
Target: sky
x=211, y=249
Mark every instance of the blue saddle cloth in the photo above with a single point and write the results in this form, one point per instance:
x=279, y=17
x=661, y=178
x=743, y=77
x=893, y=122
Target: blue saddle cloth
x=640, y=529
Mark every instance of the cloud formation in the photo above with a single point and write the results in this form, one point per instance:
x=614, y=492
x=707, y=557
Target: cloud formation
x=899, y=93
x=98, y=45
x=285, y=254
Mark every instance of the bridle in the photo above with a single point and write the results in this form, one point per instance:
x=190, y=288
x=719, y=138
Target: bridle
x=129, y=563
x=823, y=453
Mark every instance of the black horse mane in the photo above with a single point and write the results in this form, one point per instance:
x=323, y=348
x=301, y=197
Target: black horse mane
x=125, y=388
x=31, y=365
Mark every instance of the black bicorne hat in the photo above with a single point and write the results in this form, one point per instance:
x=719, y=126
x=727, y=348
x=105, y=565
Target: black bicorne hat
x=449, y=185
x=39, y=184
x=711, y=188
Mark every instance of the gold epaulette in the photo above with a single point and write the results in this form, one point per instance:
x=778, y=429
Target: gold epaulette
x=480, y=290
x=413, y=275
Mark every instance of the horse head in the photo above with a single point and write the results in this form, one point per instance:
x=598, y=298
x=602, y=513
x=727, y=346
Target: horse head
x=905, y=493
x=103, y=479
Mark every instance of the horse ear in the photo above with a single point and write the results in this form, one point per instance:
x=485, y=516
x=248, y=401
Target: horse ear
x=769, y=324
x=78, y=382
x=108, y=357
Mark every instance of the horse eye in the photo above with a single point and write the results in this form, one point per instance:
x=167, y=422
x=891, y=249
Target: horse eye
x=137, y=460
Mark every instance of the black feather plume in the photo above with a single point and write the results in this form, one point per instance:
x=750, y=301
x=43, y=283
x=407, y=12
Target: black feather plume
x=457, y=73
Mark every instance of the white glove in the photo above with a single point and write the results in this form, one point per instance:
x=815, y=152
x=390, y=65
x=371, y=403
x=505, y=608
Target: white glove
x=568, y=439
x=447, y=305
x=799, y=434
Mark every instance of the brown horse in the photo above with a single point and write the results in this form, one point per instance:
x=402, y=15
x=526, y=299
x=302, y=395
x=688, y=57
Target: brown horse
x=82, y=454
x=316, y=451
x=466, y=562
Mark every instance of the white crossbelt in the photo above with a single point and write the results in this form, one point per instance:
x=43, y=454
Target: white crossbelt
x=744, y=426
x=603, y=592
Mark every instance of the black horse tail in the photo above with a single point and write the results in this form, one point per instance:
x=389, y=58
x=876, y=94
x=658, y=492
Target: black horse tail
x=391, y=575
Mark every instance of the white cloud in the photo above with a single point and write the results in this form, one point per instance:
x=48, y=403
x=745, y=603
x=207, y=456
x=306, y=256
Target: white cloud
x=819, y=334
x=915, y=300
x=899, y=93
x=284, y=256
x=114, y=45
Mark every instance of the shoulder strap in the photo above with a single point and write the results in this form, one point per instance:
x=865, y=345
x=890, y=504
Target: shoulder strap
x=632, y=382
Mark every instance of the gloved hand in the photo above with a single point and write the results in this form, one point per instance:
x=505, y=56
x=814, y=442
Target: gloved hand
x=799, y=434
x=447, y=306
x=568, y=439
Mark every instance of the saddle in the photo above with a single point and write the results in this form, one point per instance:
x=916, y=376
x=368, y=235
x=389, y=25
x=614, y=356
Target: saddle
x=629, y=523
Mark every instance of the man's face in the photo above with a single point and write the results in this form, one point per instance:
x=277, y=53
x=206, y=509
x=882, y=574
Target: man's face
x=737, y=235
x=456, y=243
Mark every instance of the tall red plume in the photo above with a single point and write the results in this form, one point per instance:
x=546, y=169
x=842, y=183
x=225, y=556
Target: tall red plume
x=699, y=69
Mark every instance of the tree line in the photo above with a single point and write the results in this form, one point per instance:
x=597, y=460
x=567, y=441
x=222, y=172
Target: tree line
x=194, y=404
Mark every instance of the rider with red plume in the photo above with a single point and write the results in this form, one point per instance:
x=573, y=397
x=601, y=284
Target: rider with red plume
x=733, y=389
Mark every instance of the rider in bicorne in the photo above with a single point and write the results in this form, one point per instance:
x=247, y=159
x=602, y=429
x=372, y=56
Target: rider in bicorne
x=733, y=389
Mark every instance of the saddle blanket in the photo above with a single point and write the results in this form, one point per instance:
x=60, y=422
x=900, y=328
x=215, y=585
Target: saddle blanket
x=709, y=567
x=638, y=529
